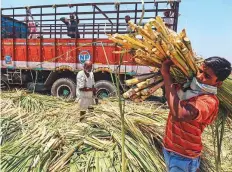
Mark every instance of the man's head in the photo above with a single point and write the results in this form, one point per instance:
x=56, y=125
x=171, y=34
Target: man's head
x=88, y=66
x=214, y=71
x=127, y=18
x=72, y=16
x=166, y=13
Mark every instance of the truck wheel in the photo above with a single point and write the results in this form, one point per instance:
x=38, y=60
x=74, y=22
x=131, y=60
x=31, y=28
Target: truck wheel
x=4, y=84
x=64, y=87
x=105, y=89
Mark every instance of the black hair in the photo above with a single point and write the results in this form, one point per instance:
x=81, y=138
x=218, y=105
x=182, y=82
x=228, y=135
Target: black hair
x=220, y=66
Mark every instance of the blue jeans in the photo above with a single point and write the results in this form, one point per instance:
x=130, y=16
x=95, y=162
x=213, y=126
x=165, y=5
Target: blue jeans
x=178, y=163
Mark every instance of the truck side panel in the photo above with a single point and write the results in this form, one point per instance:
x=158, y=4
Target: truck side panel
x=65, y=53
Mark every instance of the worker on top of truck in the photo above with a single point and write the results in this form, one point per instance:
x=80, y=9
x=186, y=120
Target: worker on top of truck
x=31, y=24
x=127, y=19
x=39, y=32
x=85, y=86
x=71, y=25
x=168, y=20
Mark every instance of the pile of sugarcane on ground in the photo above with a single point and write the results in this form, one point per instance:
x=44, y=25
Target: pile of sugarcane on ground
x=43, y=133
x=151, y=45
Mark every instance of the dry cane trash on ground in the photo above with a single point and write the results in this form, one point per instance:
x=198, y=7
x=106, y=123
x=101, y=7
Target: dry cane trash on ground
x=40, y=132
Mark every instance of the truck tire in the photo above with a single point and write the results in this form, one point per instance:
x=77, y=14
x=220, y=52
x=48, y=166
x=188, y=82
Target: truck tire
x=4, y=83
x=65, y=88
x=105, y=89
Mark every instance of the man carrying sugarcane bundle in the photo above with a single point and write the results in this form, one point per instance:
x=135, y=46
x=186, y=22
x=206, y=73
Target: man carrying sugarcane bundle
x=127, y=19
x=85, y=86
x=169, y=19
x=191, y=110
x=72, y=25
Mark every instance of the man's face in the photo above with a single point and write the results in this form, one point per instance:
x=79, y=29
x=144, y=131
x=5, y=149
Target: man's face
x=71, y=16
x=127, y=18
x=88, y=68
x=166, y=13
x=205, y=75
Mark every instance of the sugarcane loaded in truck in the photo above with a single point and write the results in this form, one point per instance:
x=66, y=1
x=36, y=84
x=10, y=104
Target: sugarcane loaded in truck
x=51, y=60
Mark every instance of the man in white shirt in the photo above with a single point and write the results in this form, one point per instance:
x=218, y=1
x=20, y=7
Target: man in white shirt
x=85, y=86
x=29, y=19
x=127, y=19
x=169, y=21
x=38, y=34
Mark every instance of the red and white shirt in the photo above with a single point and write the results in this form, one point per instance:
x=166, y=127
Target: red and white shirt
x=184, y=138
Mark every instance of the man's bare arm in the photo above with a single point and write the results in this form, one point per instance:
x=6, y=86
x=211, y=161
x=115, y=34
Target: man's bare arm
x=179, y=111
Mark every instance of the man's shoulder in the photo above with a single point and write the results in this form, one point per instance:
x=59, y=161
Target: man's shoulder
x=81, y=73
x=207, y=106
x=206, y=100
x=210, y=97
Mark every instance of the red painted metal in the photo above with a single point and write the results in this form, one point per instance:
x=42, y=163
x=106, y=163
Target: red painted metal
x=48, y=53
x=65, y=50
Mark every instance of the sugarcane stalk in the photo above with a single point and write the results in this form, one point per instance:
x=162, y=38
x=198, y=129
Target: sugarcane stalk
x=188, y=45
x=147, y=56
x=183, y=34
x=64, y=159
x=139, y=78
x=129, y=93
x=157, y=54
x=132, y=93
x=119, y=41
x=143, y=12
x=189, y=59
x=136, y=91
x=143, y=62
x=107, y=60
x=135, y=96
x=148, y=82
x=121, y=109
x=159, y=28
x=150, y=90
x=149, y=30
x=130, y=40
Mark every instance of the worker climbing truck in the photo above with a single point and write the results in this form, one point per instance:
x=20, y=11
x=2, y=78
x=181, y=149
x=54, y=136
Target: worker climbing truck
x=38, y=52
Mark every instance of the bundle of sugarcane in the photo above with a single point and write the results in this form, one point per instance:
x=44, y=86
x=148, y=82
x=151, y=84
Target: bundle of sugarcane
x=54, y=140
x=144, y=86
x=153, y=48
x=159, y=43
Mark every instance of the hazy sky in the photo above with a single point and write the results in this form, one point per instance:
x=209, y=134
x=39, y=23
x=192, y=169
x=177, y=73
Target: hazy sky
x=208, y=22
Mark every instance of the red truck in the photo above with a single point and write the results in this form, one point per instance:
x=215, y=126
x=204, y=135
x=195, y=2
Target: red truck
x=51, y=59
